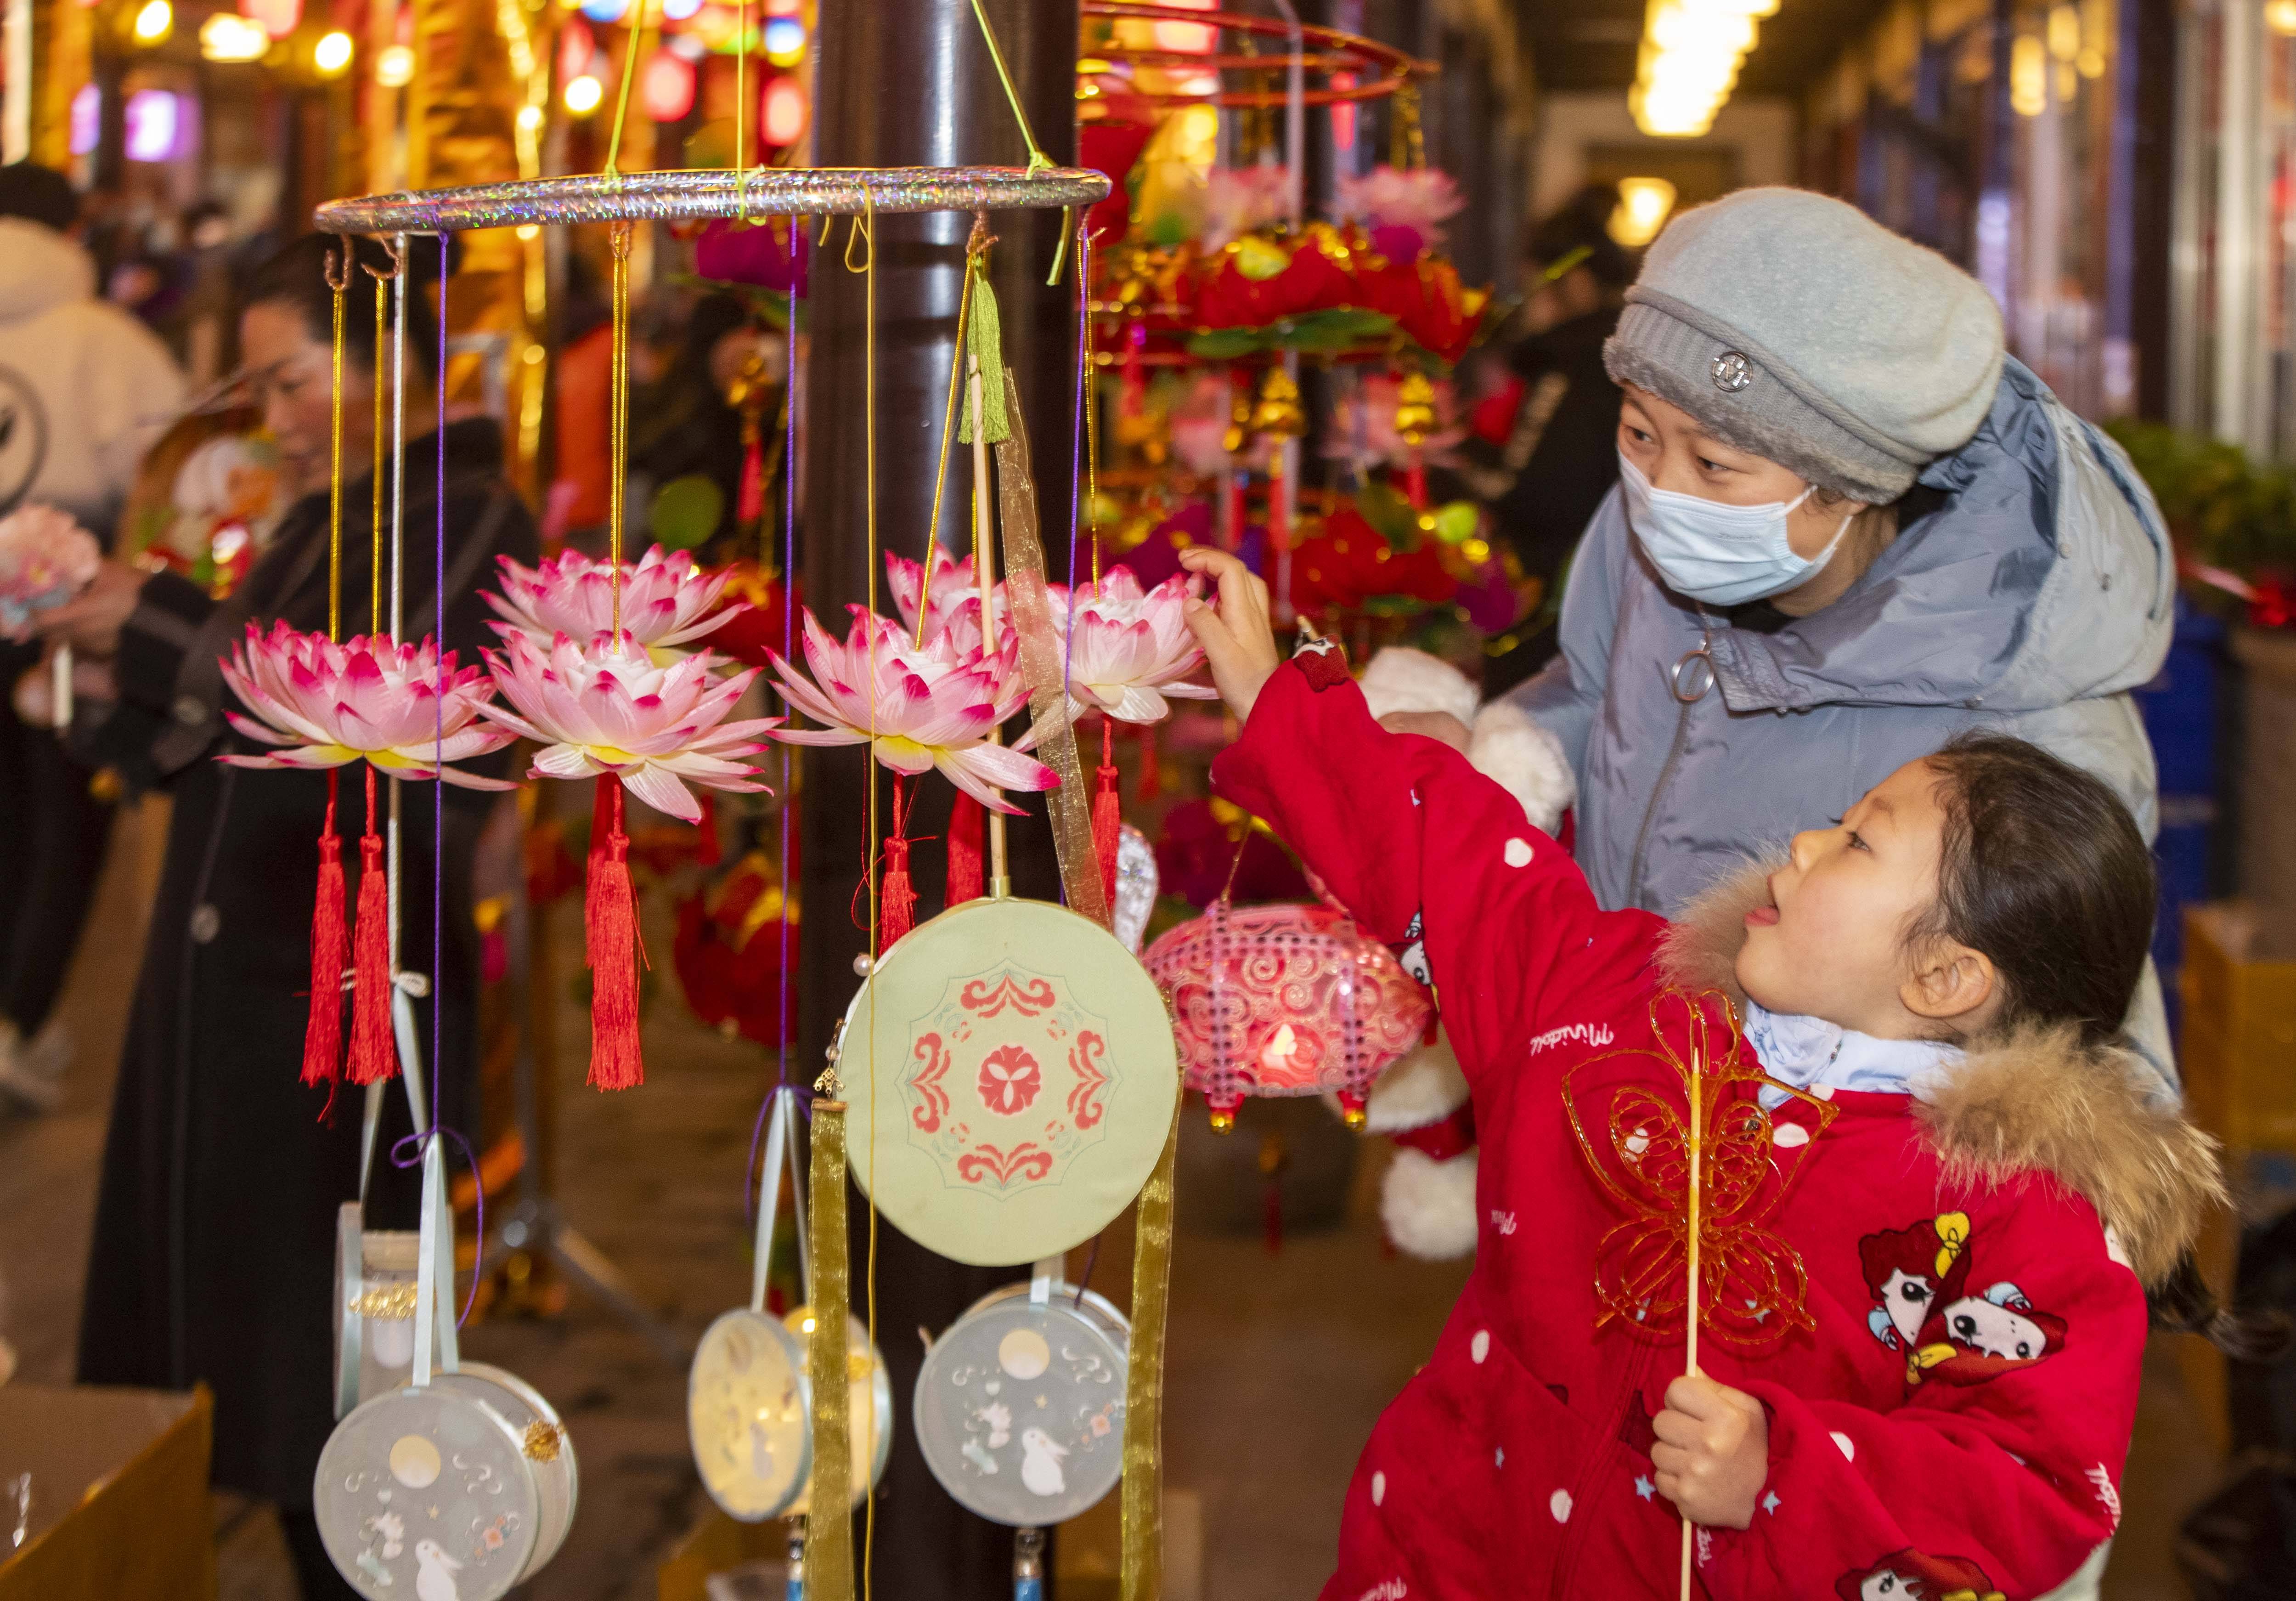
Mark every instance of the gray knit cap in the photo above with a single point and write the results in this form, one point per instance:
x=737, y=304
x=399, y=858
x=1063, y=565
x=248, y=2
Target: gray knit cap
x=1797, y=328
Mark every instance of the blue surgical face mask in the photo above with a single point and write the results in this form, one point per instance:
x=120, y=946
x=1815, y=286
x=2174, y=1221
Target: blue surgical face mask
x=1722, y=555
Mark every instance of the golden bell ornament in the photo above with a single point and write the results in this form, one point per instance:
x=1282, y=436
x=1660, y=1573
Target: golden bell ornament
x=1415, y=409
x=1278, y=411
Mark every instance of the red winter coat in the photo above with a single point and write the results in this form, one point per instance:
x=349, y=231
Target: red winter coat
x=1922, y=1294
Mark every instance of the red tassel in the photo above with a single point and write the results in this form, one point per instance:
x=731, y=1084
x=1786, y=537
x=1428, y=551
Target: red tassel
x=1107, y=812
x=967, y=875
x=1152, y=776
x=610, y=938
x=1414, y=483
x=896, y=896
x=375, y=1054
x=322, y=1036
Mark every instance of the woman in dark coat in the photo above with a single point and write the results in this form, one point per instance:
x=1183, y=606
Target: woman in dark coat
x=214, y=1230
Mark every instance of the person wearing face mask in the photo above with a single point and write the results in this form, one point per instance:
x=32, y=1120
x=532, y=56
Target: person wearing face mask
x=1848, y=527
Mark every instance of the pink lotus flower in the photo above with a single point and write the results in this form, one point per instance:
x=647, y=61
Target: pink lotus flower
x=45, y=559
x=915, y=709
x=1128, y=648
x=953, y=608
x=327, y=705
x=1239, y=198
x=666, y=600
x=604, y=707
x=1403, y=210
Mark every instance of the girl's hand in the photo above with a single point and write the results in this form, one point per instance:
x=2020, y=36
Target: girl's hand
x=1713, y=1451
x=1239, y=639
x=92, y=620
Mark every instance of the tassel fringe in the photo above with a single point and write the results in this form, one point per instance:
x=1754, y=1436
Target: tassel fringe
x=375, y=1054
x=896, y=896
x=322, y=1035
x=1107, y=810
x=610, y=928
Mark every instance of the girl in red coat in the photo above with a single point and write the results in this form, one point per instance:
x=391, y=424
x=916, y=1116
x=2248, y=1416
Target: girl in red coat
x=1935, y=1195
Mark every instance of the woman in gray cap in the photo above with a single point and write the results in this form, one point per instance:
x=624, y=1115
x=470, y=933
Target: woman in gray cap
x=1849, y=525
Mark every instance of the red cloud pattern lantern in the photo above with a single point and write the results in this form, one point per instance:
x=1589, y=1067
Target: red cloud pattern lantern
x=1285, y=1000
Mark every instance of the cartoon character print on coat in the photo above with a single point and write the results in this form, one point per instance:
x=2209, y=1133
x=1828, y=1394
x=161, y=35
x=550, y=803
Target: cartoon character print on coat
x=1413, y=953
x=1919, y=1277
x=1911, y=1272
x=1911, y=1575
x=1975, y=1338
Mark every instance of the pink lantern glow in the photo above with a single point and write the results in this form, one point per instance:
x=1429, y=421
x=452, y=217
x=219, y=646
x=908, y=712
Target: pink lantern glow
x=1285, y=1000
x=277, y=18
x=667, y=87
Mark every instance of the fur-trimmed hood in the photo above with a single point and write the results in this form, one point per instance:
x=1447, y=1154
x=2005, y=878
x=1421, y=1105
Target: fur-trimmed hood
x=2034, y=1100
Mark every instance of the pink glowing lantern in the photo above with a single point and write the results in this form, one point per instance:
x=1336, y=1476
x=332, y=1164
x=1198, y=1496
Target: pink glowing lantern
x=1285, y=1000
x=277, y=18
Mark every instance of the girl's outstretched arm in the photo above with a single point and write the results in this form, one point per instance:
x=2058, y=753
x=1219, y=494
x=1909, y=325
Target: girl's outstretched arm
x=1425, y=852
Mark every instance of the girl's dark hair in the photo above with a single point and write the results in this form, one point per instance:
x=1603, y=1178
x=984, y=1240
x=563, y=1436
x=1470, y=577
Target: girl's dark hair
x=2044, y=872
x=296, y=277
x=2185, y=1305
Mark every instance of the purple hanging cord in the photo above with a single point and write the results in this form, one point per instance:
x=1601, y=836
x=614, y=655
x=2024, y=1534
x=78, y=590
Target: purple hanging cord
x=437, y=1131
x=789, y=641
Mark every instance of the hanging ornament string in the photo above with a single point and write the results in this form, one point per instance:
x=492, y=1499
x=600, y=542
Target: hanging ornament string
x=1039, y=162
x=974, y=244
x=838, y=1364
x=620, y=421
x=409, y=1151
x=323, y=1029
x=382, y=305
x=630, y=44
x=611, y=946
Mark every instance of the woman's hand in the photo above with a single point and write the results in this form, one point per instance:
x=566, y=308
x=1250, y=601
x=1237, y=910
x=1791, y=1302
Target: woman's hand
x=1239, y=639
x=1713, y=1451
x=92, y=620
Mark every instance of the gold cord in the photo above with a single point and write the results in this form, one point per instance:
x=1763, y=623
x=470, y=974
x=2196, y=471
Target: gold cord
x=618, y=423
x=339, y=279
x=869, y=405
x=381, y=316
x=1091, y=383
x=948, y=422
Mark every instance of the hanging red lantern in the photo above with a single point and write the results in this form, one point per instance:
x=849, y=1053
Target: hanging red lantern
x=1285, y=1000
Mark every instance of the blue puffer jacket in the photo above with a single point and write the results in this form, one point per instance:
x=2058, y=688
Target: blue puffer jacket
x=2032, y=601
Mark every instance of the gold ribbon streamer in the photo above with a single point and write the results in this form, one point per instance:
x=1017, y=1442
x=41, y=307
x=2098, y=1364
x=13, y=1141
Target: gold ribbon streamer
x=1070, y=805
x=829, y=1531
x=1143, y=1382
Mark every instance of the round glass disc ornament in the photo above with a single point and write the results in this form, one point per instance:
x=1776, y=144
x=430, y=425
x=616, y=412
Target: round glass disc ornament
x=427, y=1493
x=541, y=1436
x=1019, y=1406
x=748, y=1413
x=1010, y=1076
x=869, y=1405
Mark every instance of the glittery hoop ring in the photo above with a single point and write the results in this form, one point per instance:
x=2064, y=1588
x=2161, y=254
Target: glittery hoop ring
x=673, y=196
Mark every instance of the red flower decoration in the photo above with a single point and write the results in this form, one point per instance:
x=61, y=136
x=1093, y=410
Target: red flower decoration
x=1310, y=280
x=1426, y=300
x=1009, y=1081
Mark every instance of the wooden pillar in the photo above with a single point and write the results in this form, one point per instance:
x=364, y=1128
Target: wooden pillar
x=903, y=83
